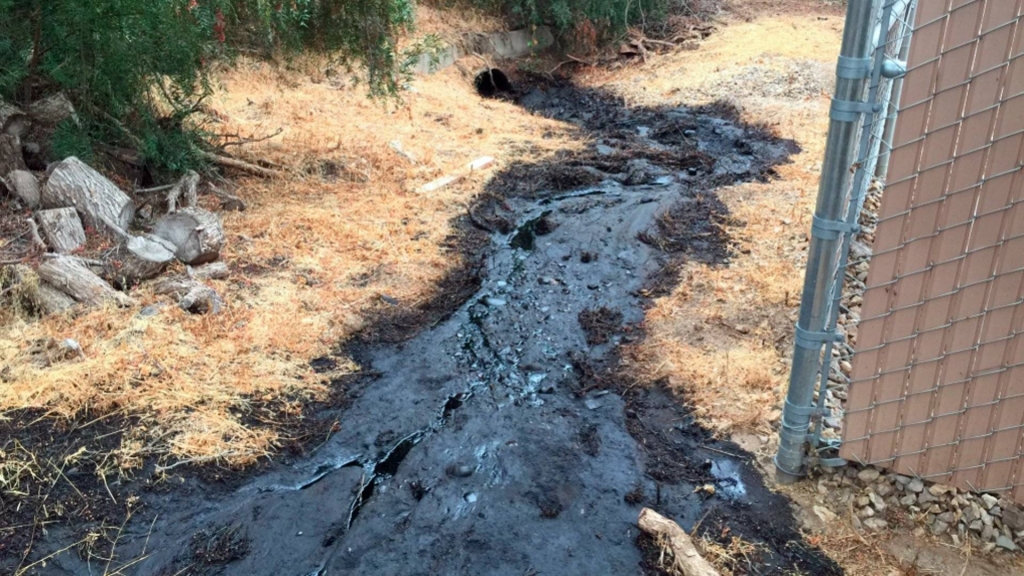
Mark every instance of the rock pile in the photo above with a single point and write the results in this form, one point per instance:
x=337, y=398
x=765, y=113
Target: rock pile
x=881, y=500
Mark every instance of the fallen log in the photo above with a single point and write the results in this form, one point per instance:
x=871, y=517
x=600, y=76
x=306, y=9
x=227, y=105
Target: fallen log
x=192, y=296
x=61, y=229
x=11, y=157
x=685, y=557
x=103, y=205
x=25, y=186
x=137, y=258
x=71, y=276
x=197, y=234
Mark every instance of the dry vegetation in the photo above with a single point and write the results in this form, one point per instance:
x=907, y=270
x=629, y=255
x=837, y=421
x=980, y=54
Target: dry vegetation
x=344, y=235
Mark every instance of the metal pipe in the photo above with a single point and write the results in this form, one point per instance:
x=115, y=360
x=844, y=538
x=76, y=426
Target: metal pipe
x=822, y=253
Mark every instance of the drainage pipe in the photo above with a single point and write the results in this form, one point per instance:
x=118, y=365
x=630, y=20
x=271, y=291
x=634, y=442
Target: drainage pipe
x=847, y=110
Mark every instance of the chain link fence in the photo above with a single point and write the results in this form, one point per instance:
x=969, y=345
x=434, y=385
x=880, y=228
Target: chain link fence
x=924, y=349
x=863, y=120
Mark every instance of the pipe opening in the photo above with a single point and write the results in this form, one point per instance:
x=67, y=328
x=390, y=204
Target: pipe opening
x=492, y=82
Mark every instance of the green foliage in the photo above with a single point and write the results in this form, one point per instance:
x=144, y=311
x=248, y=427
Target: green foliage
x=607, y=16
x=70, y=139
x=137, y=69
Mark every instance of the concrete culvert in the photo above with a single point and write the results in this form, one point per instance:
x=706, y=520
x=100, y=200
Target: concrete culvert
x=492, y=82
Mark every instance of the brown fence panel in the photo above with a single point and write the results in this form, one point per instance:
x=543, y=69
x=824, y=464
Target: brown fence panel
x=937, y=388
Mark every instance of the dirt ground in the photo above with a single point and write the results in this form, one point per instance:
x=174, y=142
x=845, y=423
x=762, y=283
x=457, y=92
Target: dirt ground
x=337, y=265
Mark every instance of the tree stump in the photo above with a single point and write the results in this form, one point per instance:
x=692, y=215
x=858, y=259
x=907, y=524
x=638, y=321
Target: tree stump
x=103, y=205
x=197, y=234
x=61, y=229
x=71, y=276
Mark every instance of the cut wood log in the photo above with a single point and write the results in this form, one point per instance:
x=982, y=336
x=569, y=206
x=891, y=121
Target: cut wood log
x=12, y=120
x=187, y=189
x=196, y=234
x=49, y=300
x=192, y=296
x=211, y=271
x=52, y=110
x=25, y=186
x=61, y=229
x=103, y=205
x=71, y=276
x=46, y=114
x=686, y=559
x=137, y=258
x=39, y=295
x=11, y=157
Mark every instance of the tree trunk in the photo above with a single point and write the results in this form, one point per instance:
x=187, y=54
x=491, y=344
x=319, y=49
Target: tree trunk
x=138, y=258
x=61, y=229
x=73, y=277
x=11, y=157
x=197, y=234
x=686, y=559
x=41, y=296
x=25, y=186
x=192, y=296
x=103, y=205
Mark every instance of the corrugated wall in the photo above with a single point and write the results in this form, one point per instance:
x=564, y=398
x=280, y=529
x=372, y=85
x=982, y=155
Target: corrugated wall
x=937, y=385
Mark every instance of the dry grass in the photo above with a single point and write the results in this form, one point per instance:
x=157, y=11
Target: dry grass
x=311, y=259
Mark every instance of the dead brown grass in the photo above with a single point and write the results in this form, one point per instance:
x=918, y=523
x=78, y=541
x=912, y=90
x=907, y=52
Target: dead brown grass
x=311, y=259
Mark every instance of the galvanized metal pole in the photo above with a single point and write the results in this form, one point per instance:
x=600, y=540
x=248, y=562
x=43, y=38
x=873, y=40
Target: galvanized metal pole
x=848, y=108
x=882, y=167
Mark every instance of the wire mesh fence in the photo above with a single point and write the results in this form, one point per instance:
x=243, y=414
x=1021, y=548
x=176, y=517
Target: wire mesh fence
x=937, y=383
x=863, y=121
x=891, y=34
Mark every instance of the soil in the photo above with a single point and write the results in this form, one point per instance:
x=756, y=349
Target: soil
x=503, y=437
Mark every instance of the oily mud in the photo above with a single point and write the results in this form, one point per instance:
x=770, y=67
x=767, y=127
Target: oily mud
x=502, y=438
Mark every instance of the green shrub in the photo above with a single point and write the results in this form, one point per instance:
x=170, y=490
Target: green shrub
x=136, y=69
x=605, y=16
